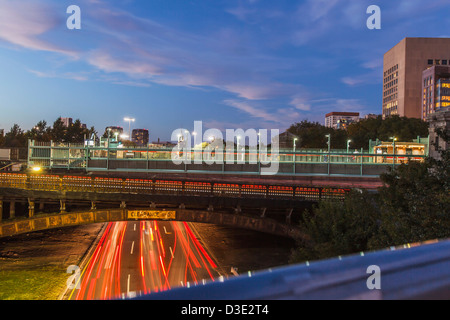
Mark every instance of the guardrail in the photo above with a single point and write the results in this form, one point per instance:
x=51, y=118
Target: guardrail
x=412, y=271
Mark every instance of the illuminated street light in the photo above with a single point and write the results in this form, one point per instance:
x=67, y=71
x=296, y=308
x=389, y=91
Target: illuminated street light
x=329, y=141
x=129, y=120
x=393, y=150
x=36, y=169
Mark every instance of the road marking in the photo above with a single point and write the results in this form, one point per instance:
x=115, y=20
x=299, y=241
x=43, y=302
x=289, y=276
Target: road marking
x=132, y=246
x=128, y=285
x=166, y=231
x=134, y=227
x=171, y=252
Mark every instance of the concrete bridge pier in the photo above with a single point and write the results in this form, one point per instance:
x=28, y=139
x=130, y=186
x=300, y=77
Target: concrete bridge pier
x=263, y=212
x=41, y=206
x=12, y=209
x=93, y=205
x=1, y=209
x=62, y=206
x=31, y=206
x=289, y=215
x=123, y=205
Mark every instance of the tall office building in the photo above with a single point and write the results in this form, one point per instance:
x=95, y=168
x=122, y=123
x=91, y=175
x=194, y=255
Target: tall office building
x=402, y=73
x=140, y=136
x=435, y=89
x=67, y=122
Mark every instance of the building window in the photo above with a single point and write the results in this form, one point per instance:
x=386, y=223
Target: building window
x=430, y=61
x=444, y=62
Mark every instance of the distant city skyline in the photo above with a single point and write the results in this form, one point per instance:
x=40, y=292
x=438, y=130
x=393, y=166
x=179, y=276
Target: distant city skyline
x=231, y=64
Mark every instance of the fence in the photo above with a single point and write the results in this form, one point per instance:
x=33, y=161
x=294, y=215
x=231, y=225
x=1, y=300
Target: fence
x=300, y=162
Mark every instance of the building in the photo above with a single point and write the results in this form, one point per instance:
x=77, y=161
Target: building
x=435, y=89
x=67, y=122
x=332, y=118
x=438, y=120
x=140, y=136
x=343, y=124
x=161, y=144
x=402, y=73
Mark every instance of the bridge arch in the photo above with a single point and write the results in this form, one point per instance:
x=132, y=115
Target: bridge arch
x=68, y=219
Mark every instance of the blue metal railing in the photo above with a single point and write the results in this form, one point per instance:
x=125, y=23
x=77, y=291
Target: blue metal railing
x=408, y=272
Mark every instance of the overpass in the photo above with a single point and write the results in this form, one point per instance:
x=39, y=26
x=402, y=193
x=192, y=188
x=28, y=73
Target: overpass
x=269, y=206
x=108, y=157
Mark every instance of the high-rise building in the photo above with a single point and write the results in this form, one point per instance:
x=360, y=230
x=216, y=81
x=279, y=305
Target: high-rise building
x=402, y=73
x=332, y=118
x=140, y=136
x=435, y=89
x=67, y=122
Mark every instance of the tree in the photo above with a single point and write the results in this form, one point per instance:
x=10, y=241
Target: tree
x=58, y=131
x=337, y=228
x=312, y=135
x=15, y=138
x=404, y=129
x=415, y=202
x=40, y=132
x=412, y=206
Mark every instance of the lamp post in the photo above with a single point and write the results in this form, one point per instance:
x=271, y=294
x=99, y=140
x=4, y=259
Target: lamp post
x=329, y=141
x=293, y=156
x=129, y=120
x=348, y=147
x=393, y=151
x=329, y=148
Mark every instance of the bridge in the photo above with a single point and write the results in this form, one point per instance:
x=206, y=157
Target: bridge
x=110, y=157
x=269, y=206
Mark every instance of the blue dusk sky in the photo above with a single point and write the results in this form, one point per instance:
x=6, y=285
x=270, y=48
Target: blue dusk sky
x=260, y=64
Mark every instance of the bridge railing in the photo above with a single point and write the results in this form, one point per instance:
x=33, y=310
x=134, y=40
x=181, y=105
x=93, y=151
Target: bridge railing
x=291, y=162
x=169, y=187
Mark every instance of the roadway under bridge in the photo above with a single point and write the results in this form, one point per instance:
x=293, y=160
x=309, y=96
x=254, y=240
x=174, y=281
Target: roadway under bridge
x=29, y=202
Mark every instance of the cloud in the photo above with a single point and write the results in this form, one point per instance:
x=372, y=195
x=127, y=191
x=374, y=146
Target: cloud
x=23, y=22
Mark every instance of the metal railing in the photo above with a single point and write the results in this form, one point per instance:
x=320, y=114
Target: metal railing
x=173, y=187
x=412, y=271
x=299, y=162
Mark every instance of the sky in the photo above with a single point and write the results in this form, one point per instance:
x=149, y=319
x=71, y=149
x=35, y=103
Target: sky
x=231, y=64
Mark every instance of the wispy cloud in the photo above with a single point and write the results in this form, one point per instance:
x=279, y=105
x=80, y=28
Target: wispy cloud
x=23, y=22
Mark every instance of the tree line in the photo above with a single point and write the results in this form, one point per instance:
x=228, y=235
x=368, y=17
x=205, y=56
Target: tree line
x=58, y=132
x=312, y=134
x=412, y=206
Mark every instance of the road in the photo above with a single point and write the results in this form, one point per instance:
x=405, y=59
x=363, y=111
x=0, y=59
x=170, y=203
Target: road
x=135, y=258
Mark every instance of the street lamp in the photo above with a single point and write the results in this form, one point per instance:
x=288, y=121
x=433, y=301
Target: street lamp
x=393, y=150
x=329, y=141
x=129, y=120
x=348, y=147
x=295, y=139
